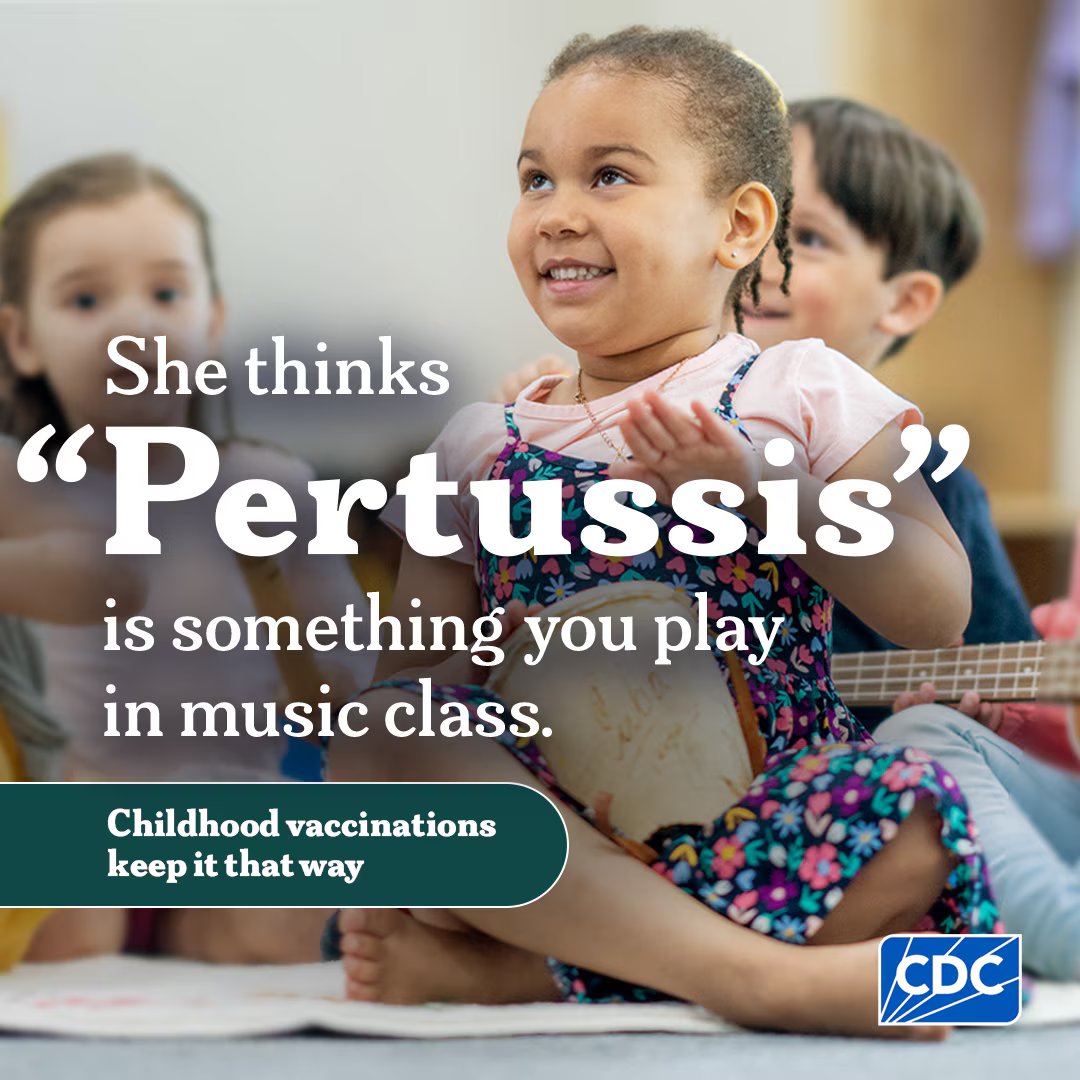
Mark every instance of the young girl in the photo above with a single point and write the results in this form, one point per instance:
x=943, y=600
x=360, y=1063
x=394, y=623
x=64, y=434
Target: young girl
x=104, y=247
x=650, y=172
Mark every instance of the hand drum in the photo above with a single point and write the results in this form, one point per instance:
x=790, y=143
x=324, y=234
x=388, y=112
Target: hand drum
x=663, y=743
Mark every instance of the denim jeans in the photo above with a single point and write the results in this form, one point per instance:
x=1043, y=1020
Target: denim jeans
x=1028, y=816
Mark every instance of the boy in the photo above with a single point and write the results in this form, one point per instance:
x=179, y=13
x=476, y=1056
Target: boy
x=883, y=225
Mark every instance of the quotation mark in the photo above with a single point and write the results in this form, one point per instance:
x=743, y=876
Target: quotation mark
x=70, y=467
x=918, y=441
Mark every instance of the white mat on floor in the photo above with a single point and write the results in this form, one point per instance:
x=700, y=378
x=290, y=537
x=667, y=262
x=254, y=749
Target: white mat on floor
x=129, y=997
x=138, y=998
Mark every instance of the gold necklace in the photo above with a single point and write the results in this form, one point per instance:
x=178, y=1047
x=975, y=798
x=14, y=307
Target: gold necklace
x=580, y=398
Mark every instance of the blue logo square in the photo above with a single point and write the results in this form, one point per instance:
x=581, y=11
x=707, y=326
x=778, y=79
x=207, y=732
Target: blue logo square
x=971, y=979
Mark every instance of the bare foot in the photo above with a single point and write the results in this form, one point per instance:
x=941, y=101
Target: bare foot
x=392, y=957
x=823, y=990
x=77, y=933
x=244, y=935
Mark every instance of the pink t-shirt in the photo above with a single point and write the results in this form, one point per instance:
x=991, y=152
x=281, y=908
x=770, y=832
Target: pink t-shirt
x=824, y=403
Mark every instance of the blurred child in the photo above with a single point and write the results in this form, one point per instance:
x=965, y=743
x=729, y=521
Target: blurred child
x=654, y=169
x=52, y=562
x=52, y=567
x=884, y=224
x=97, y=248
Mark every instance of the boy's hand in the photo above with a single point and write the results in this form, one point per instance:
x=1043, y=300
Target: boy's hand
x=988, y=713
x=669, y=448
x=1060, y=620
x=1057, y=621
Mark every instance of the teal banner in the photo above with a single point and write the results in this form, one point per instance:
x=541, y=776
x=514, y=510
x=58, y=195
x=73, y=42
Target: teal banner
x=278, y=845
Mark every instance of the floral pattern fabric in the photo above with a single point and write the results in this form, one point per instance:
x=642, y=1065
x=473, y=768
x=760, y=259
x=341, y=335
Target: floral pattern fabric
x=796, y=702
x=828, y=798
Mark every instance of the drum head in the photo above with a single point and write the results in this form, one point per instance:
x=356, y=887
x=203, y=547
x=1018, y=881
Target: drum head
x=663, y=741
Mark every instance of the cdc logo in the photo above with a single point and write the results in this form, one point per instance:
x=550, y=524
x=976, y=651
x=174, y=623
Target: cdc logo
x=949, y=979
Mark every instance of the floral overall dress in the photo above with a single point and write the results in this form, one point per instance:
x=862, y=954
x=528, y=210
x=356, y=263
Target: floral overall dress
x=828, y=798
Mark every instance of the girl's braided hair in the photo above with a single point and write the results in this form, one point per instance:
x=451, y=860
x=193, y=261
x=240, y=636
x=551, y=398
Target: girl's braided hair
x=732, y=109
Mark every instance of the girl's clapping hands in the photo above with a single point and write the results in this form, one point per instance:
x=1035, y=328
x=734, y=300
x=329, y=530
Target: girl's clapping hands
x=670, y=448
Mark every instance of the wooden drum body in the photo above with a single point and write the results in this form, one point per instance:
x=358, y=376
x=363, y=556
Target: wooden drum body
x=663, y=742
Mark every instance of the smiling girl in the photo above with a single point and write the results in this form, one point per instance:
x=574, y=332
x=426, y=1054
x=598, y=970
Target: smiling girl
x=654, y=170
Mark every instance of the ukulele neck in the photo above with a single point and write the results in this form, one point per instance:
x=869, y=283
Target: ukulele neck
x=1015, y=671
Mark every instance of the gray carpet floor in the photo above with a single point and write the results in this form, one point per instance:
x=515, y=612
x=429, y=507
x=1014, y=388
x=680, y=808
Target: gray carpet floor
x=1023, y=1054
